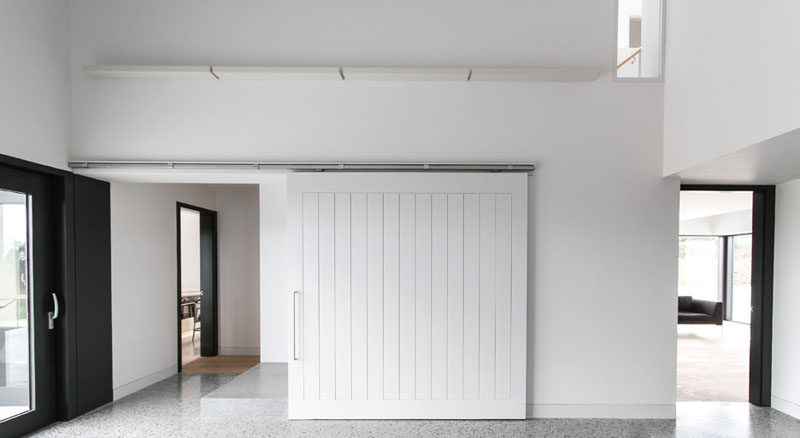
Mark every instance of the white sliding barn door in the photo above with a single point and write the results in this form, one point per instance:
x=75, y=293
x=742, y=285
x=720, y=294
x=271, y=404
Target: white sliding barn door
x=408, y=295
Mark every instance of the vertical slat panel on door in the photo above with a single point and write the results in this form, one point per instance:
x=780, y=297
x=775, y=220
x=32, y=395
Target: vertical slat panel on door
x=455, y=295
x=423, y=296
x=439, y=297
x=406, y=264
x=375, y=296
x=487, y=297
x=327, y=301
x=471, y=295
x=359, y=272
x=391, y=296
x=310, y=294
x=503, y=297
x=342, y=304
x=519, y=291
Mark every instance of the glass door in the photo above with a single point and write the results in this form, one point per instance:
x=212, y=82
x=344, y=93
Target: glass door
x=15, y=381
x=27, y=306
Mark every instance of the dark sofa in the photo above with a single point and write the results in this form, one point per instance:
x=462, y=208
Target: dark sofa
x=692, y=311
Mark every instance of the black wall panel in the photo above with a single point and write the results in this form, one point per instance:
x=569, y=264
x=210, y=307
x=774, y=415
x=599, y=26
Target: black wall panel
x=92, y=218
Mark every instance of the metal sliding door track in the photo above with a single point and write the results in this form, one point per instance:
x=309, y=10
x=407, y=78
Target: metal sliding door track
x=306, y=167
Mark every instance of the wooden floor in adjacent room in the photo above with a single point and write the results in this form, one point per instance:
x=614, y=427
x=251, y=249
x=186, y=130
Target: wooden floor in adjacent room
x=220, y=365
x=713, y=362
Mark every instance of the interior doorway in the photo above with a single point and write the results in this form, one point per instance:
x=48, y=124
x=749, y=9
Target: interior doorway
x=725, y=293
x=197, y=283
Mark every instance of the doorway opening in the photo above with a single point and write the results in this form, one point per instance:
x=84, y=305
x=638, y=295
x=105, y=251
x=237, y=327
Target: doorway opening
x=725, y=293
x=197, y=283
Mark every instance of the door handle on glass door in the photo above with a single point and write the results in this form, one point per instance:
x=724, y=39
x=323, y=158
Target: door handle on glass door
x=52, y=316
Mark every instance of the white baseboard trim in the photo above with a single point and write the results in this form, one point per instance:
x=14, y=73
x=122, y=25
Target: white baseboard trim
x=600, y=411
x=239, y=351
x=786, y=406
x=131, y=387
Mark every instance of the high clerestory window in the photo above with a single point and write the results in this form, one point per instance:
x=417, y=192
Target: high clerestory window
x=640, y=36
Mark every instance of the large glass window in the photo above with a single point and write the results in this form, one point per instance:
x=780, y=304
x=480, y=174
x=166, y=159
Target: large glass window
x=639, y=38
x=741, y=248
x=701, y=264
x=15, y=372
x=699, y=267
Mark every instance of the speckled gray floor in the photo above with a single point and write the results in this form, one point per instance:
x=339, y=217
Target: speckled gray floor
x=171, y=408
x=260, y=391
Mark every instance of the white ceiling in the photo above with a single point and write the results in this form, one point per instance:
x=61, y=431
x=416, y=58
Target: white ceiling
x=773, y=161
x=698, y=204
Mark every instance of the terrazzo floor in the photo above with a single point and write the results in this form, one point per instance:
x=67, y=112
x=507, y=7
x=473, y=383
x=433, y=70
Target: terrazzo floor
x=171, y=408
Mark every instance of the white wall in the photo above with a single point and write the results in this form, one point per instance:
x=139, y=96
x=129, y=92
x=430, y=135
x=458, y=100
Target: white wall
x=785, y=324
x=274, y=289
x=144, y=281
x=603, y=222
x=143, y=269
x=314, y=121
x=625, y=10
x=730, y=77
x=190, y=250
x=35, y=85
x=238, y=228
x=612, y=253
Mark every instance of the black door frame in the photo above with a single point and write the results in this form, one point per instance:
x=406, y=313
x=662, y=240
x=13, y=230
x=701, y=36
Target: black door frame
x=64, y=282
x=209, y=283
x=760, y=376
x=83, y=346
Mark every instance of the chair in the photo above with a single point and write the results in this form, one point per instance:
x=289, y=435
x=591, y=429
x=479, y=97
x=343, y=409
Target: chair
x=196, y=328
x=187, y=309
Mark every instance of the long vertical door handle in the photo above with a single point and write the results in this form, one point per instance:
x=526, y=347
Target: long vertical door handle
x=52, y=316
x=295, y=295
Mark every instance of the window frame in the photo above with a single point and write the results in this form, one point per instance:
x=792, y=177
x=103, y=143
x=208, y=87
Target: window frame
x=663, y=42
x=727, y=306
